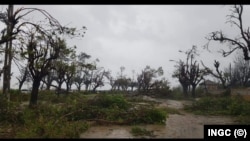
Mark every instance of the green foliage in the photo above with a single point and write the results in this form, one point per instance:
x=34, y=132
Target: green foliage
x=14, y=92
x=145, y=115
x=240, y=107
x=17, y=96
x=200, y=92
x=227, y=92
x=176, y=94
x=245, y=120
x=236, y=106
x=65, y=116
x=117, y=108
x=108, y=101
x=155, y=116
x=8, y=110
x=42, y=128
x=46, y=122
x=169, y=110
x=211, y=105
x=137, y=131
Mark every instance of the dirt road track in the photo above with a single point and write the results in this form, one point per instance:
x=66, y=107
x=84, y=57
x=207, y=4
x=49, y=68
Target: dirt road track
x=184, y=125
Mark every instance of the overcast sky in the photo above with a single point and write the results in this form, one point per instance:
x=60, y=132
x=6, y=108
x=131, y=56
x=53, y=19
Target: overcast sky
x=134, y=36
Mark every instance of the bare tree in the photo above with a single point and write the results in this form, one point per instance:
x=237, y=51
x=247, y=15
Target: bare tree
x=122, y=68
x=111, y=80
x=132, y=84
x=181, y=73
x=189, y=73
x=98, y=78
x=48, y=79
x=24, y=76
x=8, y=50
x=239, y=42
x=223, y=76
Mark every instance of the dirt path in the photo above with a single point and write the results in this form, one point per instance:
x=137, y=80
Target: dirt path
x=184, y=125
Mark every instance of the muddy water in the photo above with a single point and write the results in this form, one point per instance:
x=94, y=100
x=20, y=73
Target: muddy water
x=184, y=125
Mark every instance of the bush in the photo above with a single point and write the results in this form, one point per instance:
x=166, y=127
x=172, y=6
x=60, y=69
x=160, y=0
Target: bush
x=156, y=116
x=42, y=128
x=65, y=118
x=137, y=131
x=109, y=101
x=117, y=108
x=8, y=110
x=145, y=115
x=221, y=106
x=48, y=122
x=14, y=92
x=176, y=94
x=227, y=92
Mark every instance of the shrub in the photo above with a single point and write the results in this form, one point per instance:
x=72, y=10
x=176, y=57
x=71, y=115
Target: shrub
x=116, y=108
x=48, y=122
x=177, y=94
x=221, y=105
x=137, y=131
x=8, y=110
x=65, y=118
x=147, y=115
x=108, y=101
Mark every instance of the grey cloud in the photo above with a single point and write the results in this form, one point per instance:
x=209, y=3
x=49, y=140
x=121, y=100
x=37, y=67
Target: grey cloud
x=138, y=35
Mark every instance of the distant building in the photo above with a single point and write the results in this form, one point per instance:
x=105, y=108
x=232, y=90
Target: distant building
x=209, y=85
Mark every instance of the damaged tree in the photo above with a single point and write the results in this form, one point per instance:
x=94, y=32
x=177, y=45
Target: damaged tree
x=18, y=25
x=189, y=73
x=39, y=43
x=222, y=76
x=239, y=42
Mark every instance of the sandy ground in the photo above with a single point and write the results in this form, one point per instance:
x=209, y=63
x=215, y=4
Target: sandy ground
x=184, y=125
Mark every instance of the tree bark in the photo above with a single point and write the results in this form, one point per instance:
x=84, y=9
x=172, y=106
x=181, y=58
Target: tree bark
x=34, y=92
x=79, y=88
x=94, y=89
x=8, y=54
x=59, y=88
x=185, y=90
x=86, y=87
x=68, y=88
x=193, y=90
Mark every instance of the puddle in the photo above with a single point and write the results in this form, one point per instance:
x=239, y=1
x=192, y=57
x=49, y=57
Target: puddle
x=113, y=131
x=177, y=126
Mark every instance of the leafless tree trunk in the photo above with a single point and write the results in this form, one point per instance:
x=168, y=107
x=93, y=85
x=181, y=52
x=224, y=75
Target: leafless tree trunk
x=8, y=54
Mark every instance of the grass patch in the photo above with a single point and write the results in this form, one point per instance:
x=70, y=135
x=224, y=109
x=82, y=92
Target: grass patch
x=110, y=101
x=116, y=108
x=137, y=131
x=171, y=110
x=66, y=116
x=231, y=106
x=149, y=116
x=46, y=121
